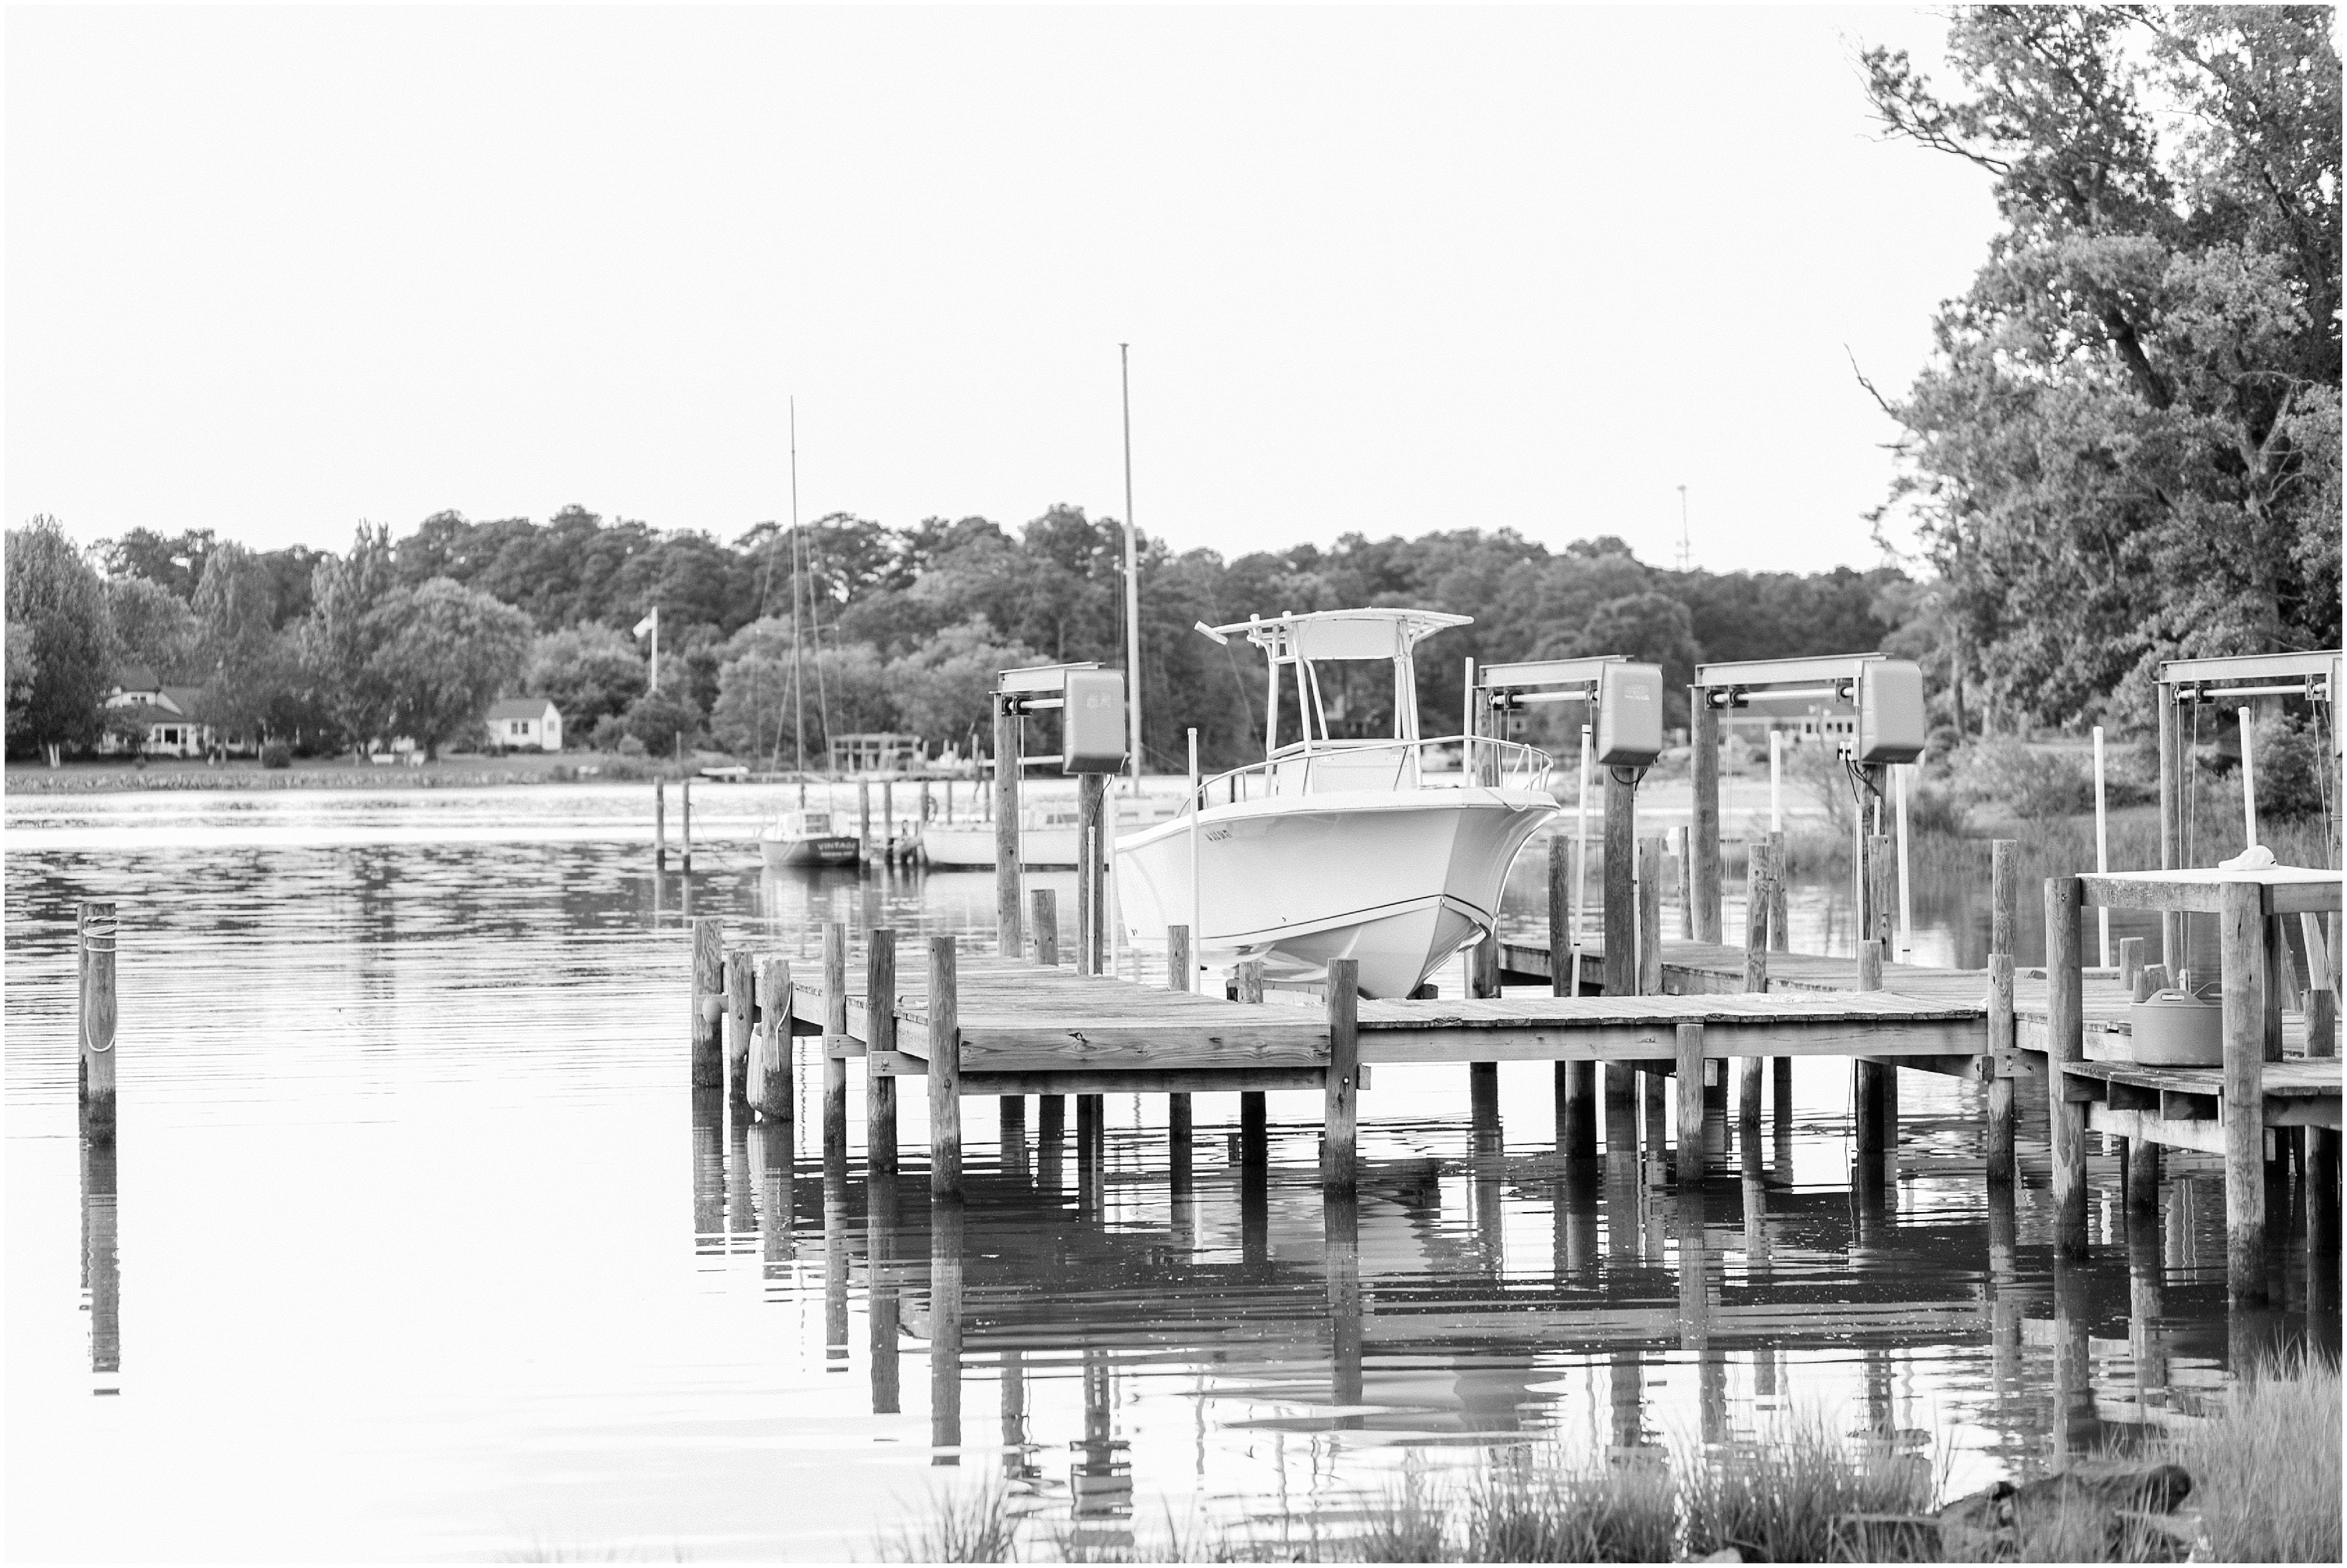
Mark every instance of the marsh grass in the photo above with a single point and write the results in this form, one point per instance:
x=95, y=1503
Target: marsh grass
x=1777, y=1499
x=2266, y=1474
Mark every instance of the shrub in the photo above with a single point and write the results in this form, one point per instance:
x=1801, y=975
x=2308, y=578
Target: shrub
x=2289, y=762
x=1931, y=809
x=631, y=747
x=276, y=754
x=610, y=731
x=2027, y=781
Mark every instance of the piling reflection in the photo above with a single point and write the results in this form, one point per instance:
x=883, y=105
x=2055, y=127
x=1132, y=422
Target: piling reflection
x=101, y=1267
x=709, y=1170
x=947, y=1233
x=881, y=1301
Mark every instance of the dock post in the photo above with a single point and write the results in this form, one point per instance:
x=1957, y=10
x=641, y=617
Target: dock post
x=1179, y=969
x=740, y=1008
x=1780, y=925
x=95, y=941
x=2175, y=782
x=1621, y=916
x=1653, y=858
x=834, y=1028
x=1051, y=1138
x=879, y=1048
x=2002, y=1115
x=1483, y=1077
x=1866, y=1095
x=2241, y=934
x=1091, y=872
x=1682, y=839
x=888, y=819
x=945, y=1071
x=1577, y=1082
x=2130, y=962
x=2142, y=1176
x=863, y=820
x=771, y=1089
x=1255, y=1115
x=1703, y=833
x=2065, y=1042
x=708, y=1003
x=1179, y=1130
x=2005, y=894
x=1009, y=939
x=660, y=824
x=684, y=819
x=2322, y=993
x=1760, y=880
x=1338, y=1107
x=1690, y=1110
x=1047, y=927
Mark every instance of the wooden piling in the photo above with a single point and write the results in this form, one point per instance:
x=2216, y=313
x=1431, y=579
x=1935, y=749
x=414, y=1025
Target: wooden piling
x=889, y=818
x=95, y=927
x=708, y=1003
x=1690, y=1106
x=2005, y=894
x=2323, y=982
x=879, y=1048
x=1705, y=834
x=2130, y=962
x=2143, y=1175
x=1047, y=927
x=2002, y=1045
x=1179, y=1131
x=741, y=1006
x=1870, y=965
x=1681, y=841
x=1654, y=860
x=864, y=819
x=1009, y=939
x=835, y=1029
x=1091, y=872
x=1577, y=1082
x=2241, y=926
x=684, y=819
x=1254, y=1112
x=660, y=824
x=1343, y=1083
x=1865, y=1077
x=771, y=1091
x=1781, y=924
x=1882, y=893
x=945, y=1071
x=1758, y=880
x=1621, y=903
x=2175, y=783
x=1179, y=968
x=2065, y=1042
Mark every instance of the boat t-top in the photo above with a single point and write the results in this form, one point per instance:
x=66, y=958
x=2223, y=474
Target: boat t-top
x=1340, y=848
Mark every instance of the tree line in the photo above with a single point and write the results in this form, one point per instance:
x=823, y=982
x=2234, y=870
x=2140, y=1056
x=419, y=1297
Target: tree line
x=784, y=638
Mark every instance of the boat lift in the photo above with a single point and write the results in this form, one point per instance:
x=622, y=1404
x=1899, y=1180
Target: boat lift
x=1091, y=701
x=1885, y=694
x=1621, y=724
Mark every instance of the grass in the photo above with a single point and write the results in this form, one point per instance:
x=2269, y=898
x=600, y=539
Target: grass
x=2266, y=1487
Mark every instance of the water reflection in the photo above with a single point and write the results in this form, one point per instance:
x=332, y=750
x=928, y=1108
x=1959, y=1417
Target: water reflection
x=1159, y=1323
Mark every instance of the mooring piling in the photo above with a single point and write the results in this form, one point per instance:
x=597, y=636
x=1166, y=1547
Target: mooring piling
x=1704, y=829
x=1179, y=1129
x=740, y=1009
x=945, y=1071
x=684, y=819
x=660, y=824
x=2241, y=927
x=772, y=1090
x=1342, y=1086
x=1577, y=1082
x=836, y=1041
x=708, y=1003
x=1047, y=927
x=2002, y=1044
x=1689, y=1129
x=95, y=938
x=880, y=1059
x=2065, y=1039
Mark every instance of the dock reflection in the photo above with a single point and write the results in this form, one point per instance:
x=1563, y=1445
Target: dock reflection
x=102, y=1264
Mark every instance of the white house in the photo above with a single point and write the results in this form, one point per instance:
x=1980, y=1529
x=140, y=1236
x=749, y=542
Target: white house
x=166, y=716
x=525, y=724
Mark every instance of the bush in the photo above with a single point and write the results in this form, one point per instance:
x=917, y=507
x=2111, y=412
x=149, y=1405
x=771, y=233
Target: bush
x=276, y=754
x=1931, y=809
x=610, y=731
x=661, y=720
x=2288, y=759
x=631, y=747
x=2024, y=780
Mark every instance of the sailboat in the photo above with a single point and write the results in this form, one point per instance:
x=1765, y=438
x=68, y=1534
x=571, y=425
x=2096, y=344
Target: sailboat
x=1340, y=848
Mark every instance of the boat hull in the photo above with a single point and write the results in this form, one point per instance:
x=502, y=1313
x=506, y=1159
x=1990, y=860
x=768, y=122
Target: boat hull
x=1398, y=880
x=972, y=848
x=831, y=850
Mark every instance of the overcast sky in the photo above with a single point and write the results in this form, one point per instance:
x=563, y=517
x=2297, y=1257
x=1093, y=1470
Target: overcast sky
x=273, y=271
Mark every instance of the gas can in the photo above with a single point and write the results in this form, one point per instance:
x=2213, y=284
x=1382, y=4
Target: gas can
x=2178, y=1029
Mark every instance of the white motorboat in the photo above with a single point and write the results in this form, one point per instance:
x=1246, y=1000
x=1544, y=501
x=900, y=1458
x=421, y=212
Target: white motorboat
x=807, y=838
x=1336, y=847
x=1047, y=835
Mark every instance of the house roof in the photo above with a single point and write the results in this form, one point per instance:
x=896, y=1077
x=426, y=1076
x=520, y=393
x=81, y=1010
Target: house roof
x=521, y=707
x=139, y=677
x=188, y=700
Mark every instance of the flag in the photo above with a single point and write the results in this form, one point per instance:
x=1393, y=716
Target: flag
x=651, y=623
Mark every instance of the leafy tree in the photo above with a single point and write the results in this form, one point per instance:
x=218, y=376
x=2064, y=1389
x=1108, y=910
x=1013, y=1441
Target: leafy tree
x=944, y=689
x=659, y=720
x=589, y=671
x=442, y=652
x=57, y=611
x=2127, y=446
x=152, y=626
x=336, y=641
x=174, y=563
x=236, y=620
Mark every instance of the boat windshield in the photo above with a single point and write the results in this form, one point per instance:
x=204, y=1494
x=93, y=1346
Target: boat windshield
x=808, y=824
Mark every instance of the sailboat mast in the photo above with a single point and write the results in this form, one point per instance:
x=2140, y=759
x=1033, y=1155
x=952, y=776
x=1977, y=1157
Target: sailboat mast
x=798, y=680
x=1132, y=571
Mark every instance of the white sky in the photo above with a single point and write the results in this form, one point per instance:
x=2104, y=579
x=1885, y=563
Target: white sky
x=271, y=272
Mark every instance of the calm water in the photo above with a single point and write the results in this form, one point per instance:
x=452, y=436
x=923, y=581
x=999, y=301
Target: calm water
x=413, y=1247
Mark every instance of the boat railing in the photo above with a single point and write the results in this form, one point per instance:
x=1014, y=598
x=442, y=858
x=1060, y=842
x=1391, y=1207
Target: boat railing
x=1328, y=767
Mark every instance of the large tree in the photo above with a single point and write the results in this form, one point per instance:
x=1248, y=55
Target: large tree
x=57, y=613
x=2126, y=446
x=336, y=639
x=441, y=652
x=589, y=671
